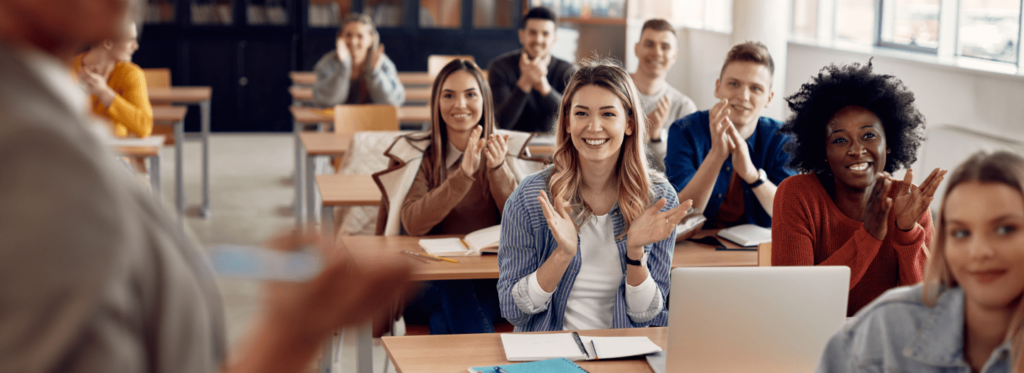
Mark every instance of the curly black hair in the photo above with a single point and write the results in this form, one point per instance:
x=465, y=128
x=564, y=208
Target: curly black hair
x=837, y=87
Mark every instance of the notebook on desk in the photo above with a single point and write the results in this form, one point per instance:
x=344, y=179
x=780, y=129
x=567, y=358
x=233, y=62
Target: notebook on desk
x=560, y=365
x=747, y=235
x=572, y=346
x=483, y=241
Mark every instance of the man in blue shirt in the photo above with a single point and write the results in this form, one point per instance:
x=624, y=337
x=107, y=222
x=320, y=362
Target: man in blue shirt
x=729, y=159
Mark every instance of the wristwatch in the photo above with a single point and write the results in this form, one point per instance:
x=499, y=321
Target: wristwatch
x=761, y=178
x=639, y=263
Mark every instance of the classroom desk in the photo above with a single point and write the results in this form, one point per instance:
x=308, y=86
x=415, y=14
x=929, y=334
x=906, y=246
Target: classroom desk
x=175, y=115
x=305, y=94
x=131, y=149
x=408, y=78
x=686, y=254
x=200, y=96
x=315, y=144
x=343, y=190
x=458, y=352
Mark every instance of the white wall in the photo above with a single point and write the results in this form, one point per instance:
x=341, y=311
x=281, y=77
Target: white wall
x=985, y=102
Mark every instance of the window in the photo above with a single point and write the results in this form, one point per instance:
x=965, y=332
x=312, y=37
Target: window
x=705, y=14
x=805, y=19
x=989, y=29
x=493, y=13
x=328, y=13
x=385, y=13
x=440, y=13
x=910, y=23
x=855, y=21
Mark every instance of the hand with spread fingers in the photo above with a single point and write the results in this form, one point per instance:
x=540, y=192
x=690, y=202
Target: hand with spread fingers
x=497, y=148
x=721, y=142
x=471, y=156
x=741, y=156
x=876, y=206
x=653, y=225
x=561, y=223
x=97, y=86
x=656, y=119
x=912, y=201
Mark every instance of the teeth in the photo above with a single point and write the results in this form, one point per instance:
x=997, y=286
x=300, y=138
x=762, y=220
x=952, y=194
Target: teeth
x=460, y=116
x=859, y=167
x=596, y=142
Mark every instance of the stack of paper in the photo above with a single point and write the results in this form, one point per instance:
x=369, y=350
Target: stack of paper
x=532, y=347
x=747, y=234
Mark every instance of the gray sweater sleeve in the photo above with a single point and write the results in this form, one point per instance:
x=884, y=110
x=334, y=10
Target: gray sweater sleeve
x=332, y=80
x=384, y=86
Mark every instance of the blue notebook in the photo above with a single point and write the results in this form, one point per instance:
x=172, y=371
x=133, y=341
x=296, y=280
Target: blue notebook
x=560, y=365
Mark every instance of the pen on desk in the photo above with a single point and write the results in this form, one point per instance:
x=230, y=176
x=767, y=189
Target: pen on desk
x=498, y=369
x=431, y=257
x=415, y=256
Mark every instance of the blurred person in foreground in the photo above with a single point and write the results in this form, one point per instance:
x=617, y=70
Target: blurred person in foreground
x=94, y=275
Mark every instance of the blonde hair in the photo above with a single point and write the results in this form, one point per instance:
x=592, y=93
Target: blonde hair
x=437, y=152
x=634, y=183
x=999, y=167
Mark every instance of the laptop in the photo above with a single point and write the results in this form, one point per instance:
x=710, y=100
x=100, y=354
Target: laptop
x=754, y=319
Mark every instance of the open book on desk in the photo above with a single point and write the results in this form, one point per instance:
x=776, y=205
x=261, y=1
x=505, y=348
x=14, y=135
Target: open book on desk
x=572, y=346
x=747, y=235
x=483, y=241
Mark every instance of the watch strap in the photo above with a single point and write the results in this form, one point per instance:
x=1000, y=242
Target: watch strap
x=760, y=179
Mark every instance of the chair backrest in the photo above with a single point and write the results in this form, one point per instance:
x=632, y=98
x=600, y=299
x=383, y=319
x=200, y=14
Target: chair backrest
x=436, y=62
x=764, y=255
x=354, y=118
x=158, y=77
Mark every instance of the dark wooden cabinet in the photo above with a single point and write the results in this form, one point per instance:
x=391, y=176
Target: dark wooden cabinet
x=244, y=49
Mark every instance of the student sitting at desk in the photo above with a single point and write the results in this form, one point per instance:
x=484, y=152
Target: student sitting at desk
x=729, y=159
x=117, y=87
x=461, y=173
x=358, y=71
x=850, y=125
x=967, y=316
x=598, y=256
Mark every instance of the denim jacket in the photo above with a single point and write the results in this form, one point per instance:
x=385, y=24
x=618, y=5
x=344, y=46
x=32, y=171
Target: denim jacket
x=526, y=242
x=899, y=333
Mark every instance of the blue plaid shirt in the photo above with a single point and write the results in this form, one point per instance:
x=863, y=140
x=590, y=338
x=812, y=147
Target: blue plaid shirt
x=526, y=242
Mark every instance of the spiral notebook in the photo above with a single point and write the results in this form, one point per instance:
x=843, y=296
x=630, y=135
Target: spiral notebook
x=560, y=365
x=572, y=346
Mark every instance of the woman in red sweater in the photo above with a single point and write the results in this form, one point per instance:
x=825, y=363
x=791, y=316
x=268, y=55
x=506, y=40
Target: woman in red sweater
x=850, y=129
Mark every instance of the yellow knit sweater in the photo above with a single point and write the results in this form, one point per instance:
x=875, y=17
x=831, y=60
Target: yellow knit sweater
x=130, y=112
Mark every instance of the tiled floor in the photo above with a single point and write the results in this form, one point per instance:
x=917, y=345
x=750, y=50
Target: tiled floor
x=251, y=199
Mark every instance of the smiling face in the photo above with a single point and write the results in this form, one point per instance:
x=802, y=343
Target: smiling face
x=855, y=146
x=537, y=37
x=747, y=85
x=122, y=49
x=597, y=124
x=358, y=37
x=656, y=51
x=984, y=238
x=460, y=104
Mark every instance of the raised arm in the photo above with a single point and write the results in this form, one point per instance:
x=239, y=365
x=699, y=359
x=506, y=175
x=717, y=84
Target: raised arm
x=384, y=85
x=793, y=237
x=425, y=208
x=333, y=77
x=517, y=259
x=131, y=107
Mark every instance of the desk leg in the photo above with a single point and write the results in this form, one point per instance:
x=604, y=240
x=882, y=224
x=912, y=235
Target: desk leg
x=154, y=175
x=179, y=182
x=204, y=110
x=299, y=201
x=311, y=193
x=329, y=353
x=364, y=348
x=327, y=222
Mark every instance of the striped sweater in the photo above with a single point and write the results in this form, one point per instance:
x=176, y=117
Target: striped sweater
x=526, y=242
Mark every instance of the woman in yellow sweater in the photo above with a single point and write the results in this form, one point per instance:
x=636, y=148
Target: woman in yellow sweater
x=117, y=86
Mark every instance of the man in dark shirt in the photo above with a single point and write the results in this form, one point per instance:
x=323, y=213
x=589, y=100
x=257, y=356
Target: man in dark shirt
x=527, y=83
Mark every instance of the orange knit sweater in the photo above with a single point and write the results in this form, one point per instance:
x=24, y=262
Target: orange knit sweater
x=809, y=229
x=130, y=112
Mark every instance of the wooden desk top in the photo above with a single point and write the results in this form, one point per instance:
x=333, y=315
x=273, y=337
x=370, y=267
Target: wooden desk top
x=411, y=94
x=457, y=352
x=137, y=151
x=179, y=95
x=309, y=115
x=415, y=78
x=169, y=114
x=302, y=77
x=406, y=77
x=687, y=254
x=348, y=190
x=325, y=143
